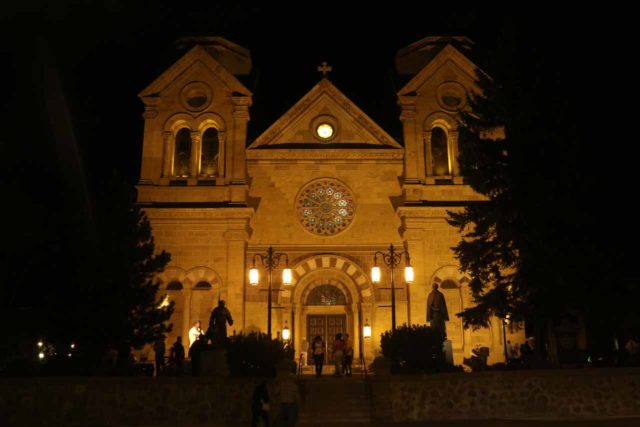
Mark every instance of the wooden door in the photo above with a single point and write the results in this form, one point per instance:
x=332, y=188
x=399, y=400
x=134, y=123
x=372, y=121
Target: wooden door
x=327, y=326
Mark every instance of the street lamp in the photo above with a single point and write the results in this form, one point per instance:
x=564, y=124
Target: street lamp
x=392, y=259
x=270, y=261
x=286, y=333
x=366, y=331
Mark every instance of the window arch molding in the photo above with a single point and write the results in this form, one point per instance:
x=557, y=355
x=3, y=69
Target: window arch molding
x=448, y=124
x=198, y=127
x=207, y=120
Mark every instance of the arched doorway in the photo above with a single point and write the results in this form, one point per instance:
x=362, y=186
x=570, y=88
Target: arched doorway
x=326, y=315
x=351, y=305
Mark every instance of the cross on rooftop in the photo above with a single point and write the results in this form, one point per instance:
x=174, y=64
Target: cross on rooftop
x=324, y=69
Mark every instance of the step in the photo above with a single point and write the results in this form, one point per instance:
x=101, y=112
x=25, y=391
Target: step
x=328, y=399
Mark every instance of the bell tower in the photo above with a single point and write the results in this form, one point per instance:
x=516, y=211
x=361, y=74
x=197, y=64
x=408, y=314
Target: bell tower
x=196, y=115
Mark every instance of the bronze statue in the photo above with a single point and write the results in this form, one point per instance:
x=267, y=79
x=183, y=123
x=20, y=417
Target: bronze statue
x=437, y=310
x=218, y=323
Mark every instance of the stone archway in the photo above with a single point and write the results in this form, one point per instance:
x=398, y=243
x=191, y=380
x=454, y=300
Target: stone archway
x=333, y=271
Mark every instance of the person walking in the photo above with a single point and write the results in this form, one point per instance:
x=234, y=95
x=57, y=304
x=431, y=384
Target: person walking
x=287, y=390
x=338, y=354
x=260, y=405
x=318, y=354
x=348, y=355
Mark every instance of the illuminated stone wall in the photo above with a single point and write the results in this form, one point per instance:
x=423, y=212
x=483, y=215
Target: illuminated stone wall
x=538, y=394
x=213, y=226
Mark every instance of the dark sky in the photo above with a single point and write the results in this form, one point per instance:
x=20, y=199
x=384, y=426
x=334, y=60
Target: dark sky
x=104, y=53
x=75, y=69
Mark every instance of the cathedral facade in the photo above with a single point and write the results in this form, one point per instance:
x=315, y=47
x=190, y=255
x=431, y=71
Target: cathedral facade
x=324, y=189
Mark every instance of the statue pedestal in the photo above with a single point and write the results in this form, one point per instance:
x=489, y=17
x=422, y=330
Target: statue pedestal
x=214, y=363
x=447, y=348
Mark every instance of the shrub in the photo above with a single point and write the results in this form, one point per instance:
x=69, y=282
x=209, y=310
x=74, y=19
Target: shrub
x=255, y=354
x=413, y=349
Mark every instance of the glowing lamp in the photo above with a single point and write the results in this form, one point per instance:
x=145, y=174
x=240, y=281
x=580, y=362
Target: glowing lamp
x=254, y=277
x=366, y=331
x=375, y=274
x=286, y=333
x=286, y=277
x=408, y=274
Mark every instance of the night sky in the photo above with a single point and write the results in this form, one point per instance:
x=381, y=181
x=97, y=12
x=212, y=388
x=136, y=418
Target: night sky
x=75, y=68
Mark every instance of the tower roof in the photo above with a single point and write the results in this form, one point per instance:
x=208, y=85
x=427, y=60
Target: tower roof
x=413, y=58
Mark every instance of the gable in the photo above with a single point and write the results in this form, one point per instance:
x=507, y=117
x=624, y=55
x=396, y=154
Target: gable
x=197, y=57
x=448, y=60
x=325, y=104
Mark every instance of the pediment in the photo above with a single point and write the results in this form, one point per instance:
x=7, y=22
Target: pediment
x=324, y=103
x=198, y=60
x=448, y=59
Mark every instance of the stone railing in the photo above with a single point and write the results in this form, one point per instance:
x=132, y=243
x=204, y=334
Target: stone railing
x=550, y=394
x=116, y=401
x=217, y=401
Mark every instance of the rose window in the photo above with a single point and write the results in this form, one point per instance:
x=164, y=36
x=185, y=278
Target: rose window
x=325, y=207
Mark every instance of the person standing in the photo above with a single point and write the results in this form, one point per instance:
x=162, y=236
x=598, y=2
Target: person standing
x=304, y=351
x=348, y=355
x=159, y=349
x=318, y=354
x=195, y=332
x=177, y=353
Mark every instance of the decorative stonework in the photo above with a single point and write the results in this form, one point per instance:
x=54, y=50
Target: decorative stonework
x=451, y=96
x=325, y=207
x=196, y=96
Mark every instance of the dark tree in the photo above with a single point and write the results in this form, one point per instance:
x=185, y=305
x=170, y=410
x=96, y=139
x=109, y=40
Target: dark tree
x=130, y=304
x=535, y=249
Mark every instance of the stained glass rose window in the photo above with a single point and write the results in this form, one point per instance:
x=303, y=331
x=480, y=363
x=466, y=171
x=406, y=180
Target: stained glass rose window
x=325, y=207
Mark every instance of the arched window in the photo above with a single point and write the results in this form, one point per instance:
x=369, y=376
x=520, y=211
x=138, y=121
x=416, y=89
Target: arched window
x=209, y=157
x=449, y=284
x=174, y=286
x=326, y=295
x=440, y=164
x=182, y=154
x=203, y=285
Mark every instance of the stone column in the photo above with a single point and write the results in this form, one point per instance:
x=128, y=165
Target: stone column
x=427, y=157
x=196, y=152
x=236, y=167
x=167, y=143
x=412, y=161
x=236, y=242
x=454, y=152
x=151, y=166
x=416, y=292
x=186, y=318
x=222, y=142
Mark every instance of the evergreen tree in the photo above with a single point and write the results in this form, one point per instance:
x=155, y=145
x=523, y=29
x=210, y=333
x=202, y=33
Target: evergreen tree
x=529, y=247
x=131, y=310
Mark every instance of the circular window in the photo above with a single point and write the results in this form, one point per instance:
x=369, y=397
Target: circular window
x=324, y=131
x=324, y=128
x=451, y=96
x=325, y=207
x=196, y=96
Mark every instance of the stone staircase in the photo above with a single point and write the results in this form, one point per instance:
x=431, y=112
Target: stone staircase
x=331, y=400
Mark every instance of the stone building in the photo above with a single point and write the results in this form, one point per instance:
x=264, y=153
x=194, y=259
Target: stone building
x=324, y=184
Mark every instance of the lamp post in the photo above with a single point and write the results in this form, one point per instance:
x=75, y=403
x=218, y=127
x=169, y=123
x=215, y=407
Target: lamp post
x=392, y=259
x=270, y=261
x=505, y=321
